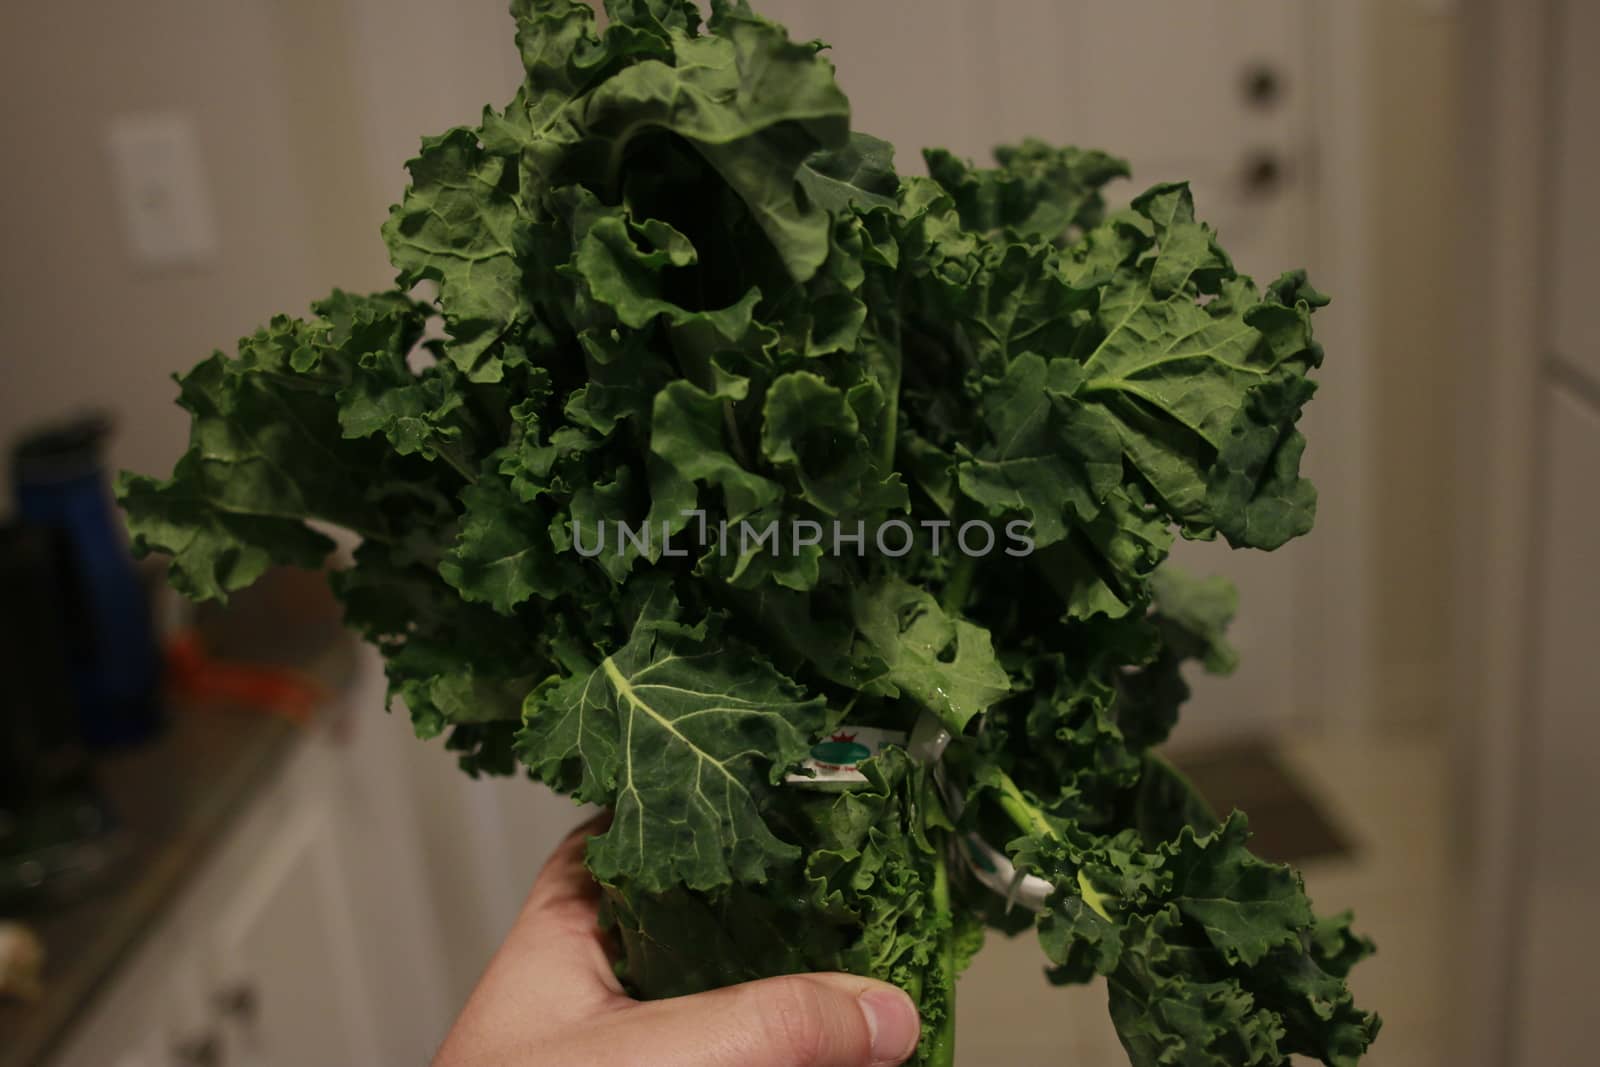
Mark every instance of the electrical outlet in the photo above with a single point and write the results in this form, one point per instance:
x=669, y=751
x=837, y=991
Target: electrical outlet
x=161, y=191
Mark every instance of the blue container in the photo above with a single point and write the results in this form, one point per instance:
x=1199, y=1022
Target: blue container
x=61, y=485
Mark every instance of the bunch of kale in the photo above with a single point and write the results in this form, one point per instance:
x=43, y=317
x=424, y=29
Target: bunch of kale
x=677, y=294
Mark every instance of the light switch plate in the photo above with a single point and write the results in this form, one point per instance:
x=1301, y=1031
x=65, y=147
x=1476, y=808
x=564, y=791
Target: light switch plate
x=161, y=191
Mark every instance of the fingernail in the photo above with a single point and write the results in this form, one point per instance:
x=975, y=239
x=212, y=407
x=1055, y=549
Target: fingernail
x=892, y=1021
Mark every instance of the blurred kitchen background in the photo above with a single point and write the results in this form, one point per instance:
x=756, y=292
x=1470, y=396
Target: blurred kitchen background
x=1415, y=721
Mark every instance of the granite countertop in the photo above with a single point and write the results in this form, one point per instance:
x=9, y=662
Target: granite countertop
x=173, y=800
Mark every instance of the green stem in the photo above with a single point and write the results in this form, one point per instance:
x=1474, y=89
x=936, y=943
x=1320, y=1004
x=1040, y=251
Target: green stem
x=942, y=1051
x=461, y=466
x=891, y=419
x=958, y=587
x=696, y=366
x=1029, y=819
x=731, y=425
x=891, y=389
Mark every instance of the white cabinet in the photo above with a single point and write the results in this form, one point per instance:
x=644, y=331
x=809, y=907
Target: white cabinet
x=289, y=986
x=307, y=940
x=148, y=1017
x=1562, y=853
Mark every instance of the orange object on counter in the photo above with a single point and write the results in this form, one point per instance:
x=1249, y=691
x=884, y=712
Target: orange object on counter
x=193, y=674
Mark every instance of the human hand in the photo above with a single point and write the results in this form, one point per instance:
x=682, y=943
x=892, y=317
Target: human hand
x=550, y=999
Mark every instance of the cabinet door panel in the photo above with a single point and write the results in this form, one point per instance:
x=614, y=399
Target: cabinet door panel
x=1575, y=215
x=140, y=1020
x=289, y=975
x=1562, y=878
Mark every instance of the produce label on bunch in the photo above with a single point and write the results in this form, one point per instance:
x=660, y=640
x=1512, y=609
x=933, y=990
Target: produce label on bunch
x=833, y=761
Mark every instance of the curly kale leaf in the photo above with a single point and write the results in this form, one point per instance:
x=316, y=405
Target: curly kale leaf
x=680, y=732
x=1211, y=955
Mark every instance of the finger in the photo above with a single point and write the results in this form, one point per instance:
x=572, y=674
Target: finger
x=556, y=945
x=803, y=1020
x=564, y=889
x=553, y=967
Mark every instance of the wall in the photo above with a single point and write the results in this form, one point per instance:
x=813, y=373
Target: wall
x=83, y=326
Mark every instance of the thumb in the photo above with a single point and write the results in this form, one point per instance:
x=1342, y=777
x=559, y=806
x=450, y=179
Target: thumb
x=800, y=1020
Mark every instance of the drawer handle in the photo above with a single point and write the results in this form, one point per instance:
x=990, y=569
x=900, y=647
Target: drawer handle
x=202, y=1050
x=1263, y=86
x=239, y=1003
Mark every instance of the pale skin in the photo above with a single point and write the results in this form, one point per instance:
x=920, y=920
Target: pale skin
x=550, y=999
